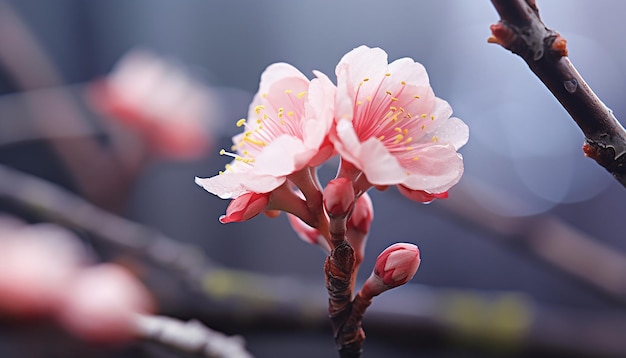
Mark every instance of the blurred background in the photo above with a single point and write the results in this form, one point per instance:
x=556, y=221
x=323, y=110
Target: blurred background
x=524, y=259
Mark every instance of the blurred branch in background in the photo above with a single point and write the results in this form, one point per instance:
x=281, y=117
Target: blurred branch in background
x=552, y=241
x=521, y=31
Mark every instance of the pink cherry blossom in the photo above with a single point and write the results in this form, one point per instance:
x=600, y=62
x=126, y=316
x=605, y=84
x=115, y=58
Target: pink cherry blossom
x=102, y=304
x=37, y=263
x=159, y=101
x=286, y=130
x=390, y=125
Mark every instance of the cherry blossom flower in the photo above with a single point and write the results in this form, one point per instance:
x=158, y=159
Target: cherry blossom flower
x=37, y=263
x=102, y=304
x=158, y=100
x=390, y=125
x=286, y=130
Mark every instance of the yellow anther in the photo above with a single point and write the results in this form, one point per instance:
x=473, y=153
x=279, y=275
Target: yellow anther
x=424, y=115
x=258, y=108
x=258, y=121
x=220, y=172
x=358, y=103
x=399, y=137
x=405, y=131
x=369, y=98
x=241, y=122
x=233, y=147
x=290, y=113
x=254, y=141
x=245, y=152
x=408, y=140
x=432, y=118
x=393, y=109
x=409, y=148
x=264, y=95
x=398, y=129
x=387, y=74
x=416, y=158
x=394, y=99
x=288, y=91
x=222, y=151
x=402, y=110
x=416, y=97
x=423, y=126
x=435, y=139
x=403, y=83
x=282, y=122
x=366, y=79
x=388, y=92
x=382, y=137
x=301, y=94
x=280, y=114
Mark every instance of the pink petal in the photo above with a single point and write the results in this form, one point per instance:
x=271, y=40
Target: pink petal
x=226, y=185
x=282, y=156
x=276, y=72
x=409, y=71
x=437, y=169
x=453, y=131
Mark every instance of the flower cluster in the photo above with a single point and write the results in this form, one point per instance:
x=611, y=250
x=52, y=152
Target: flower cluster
x=382, y=118
x=388, y=128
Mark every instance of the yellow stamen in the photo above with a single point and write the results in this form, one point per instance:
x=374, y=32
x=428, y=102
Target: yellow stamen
x=288, y=91
x=301, y=94
x=241, y=122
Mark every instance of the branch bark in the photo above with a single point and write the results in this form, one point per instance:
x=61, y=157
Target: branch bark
x=522, y=31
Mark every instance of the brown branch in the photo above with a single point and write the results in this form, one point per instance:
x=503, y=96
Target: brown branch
x=521, y=31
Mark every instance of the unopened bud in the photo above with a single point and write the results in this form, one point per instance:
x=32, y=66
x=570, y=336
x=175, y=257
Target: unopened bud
x=102, y=302
x=421, y=196
x=308, y=234
x=245, y=206
x=359, y=225
x=394, y=267
x=338, y=197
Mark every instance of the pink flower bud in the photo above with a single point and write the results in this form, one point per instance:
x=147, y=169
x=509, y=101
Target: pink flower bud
x=397, y=264
x=36, y=264
x=102, y=303
x=362, y=215
x=394, y=267
x=420, y=195
x=158, y=100
x=338, y=197
x=245, y=206
x=308, y=234
x=359, y=225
